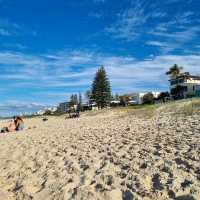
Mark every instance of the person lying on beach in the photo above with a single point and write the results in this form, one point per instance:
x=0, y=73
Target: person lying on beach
x=10, y=128
x=16, y=125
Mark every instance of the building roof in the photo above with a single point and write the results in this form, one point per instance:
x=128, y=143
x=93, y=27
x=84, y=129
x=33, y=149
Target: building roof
x=186, y=75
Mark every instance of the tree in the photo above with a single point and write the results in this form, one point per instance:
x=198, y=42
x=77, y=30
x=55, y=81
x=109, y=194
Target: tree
x=101, y=90
x=80, y=105
x=80, y=98
x=124, y=99
x=117, y=97
x=162, y=96
x=47, y=112
x=88, y=95
x=174, y=71
x=148, y=98
x=73, y=100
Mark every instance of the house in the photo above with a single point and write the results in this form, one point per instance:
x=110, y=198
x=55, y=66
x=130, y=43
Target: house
x=64, y=107
x=89, y=106
x=94, y=106
x=185, y=85
x=137, y=97
x=114, y=103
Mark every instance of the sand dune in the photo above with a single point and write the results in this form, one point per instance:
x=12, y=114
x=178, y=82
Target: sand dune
x=111, y=155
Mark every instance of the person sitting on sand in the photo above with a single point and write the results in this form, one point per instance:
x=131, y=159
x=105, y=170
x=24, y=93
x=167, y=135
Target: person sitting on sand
x=78, y=111
x=19, y=123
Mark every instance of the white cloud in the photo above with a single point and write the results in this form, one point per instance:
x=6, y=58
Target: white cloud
x=155, y=43
x=16, y=46
x=13, y=108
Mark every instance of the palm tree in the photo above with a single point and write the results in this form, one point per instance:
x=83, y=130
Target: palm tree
x=174, y=71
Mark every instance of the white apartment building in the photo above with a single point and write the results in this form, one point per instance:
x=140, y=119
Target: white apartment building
x=188, y=85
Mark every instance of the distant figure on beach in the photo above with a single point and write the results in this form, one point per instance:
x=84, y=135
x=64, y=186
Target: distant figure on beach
x=78, y=110
x=74, y=111
x=16, y=125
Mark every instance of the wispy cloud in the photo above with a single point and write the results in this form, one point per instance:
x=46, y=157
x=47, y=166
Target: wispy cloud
x=96, y=15
x=8, y=28
x=15, y=46
x=129, y=21
x=176, y=33
x=151, y=22
x=4, y=32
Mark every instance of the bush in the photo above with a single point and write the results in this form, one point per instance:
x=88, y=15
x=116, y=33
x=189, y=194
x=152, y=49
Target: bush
x=47, y=112
x=163, y=96
x=148, y=98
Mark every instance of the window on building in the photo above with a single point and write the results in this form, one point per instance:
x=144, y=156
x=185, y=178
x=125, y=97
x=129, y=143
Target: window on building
x=181, y=80
x=185, y=89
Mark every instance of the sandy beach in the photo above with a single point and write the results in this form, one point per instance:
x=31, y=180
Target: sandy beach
x=105, y=155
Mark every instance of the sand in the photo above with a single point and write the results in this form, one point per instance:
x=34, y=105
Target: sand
x=109, y=155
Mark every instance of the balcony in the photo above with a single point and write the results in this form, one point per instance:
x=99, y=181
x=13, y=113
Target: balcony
x=177, y=81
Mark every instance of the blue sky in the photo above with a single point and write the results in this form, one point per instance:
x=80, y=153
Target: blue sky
x=50, y=49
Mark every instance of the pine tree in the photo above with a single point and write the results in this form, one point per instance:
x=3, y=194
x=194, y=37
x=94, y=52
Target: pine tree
x=101, y=90
x=71, y=102
x=73, y=99
x=80, y=98
x=117, y=97
x=88, y=95
x=148, y=98
x=80, y=102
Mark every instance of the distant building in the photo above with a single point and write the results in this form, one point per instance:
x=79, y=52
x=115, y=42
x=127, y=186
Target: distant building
x=64, y=107
x=89, y=106
x=185, y=85
x=45, y=110
x=114, y=103
x=52, y=109
x=40, y=112
x=137, y=98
